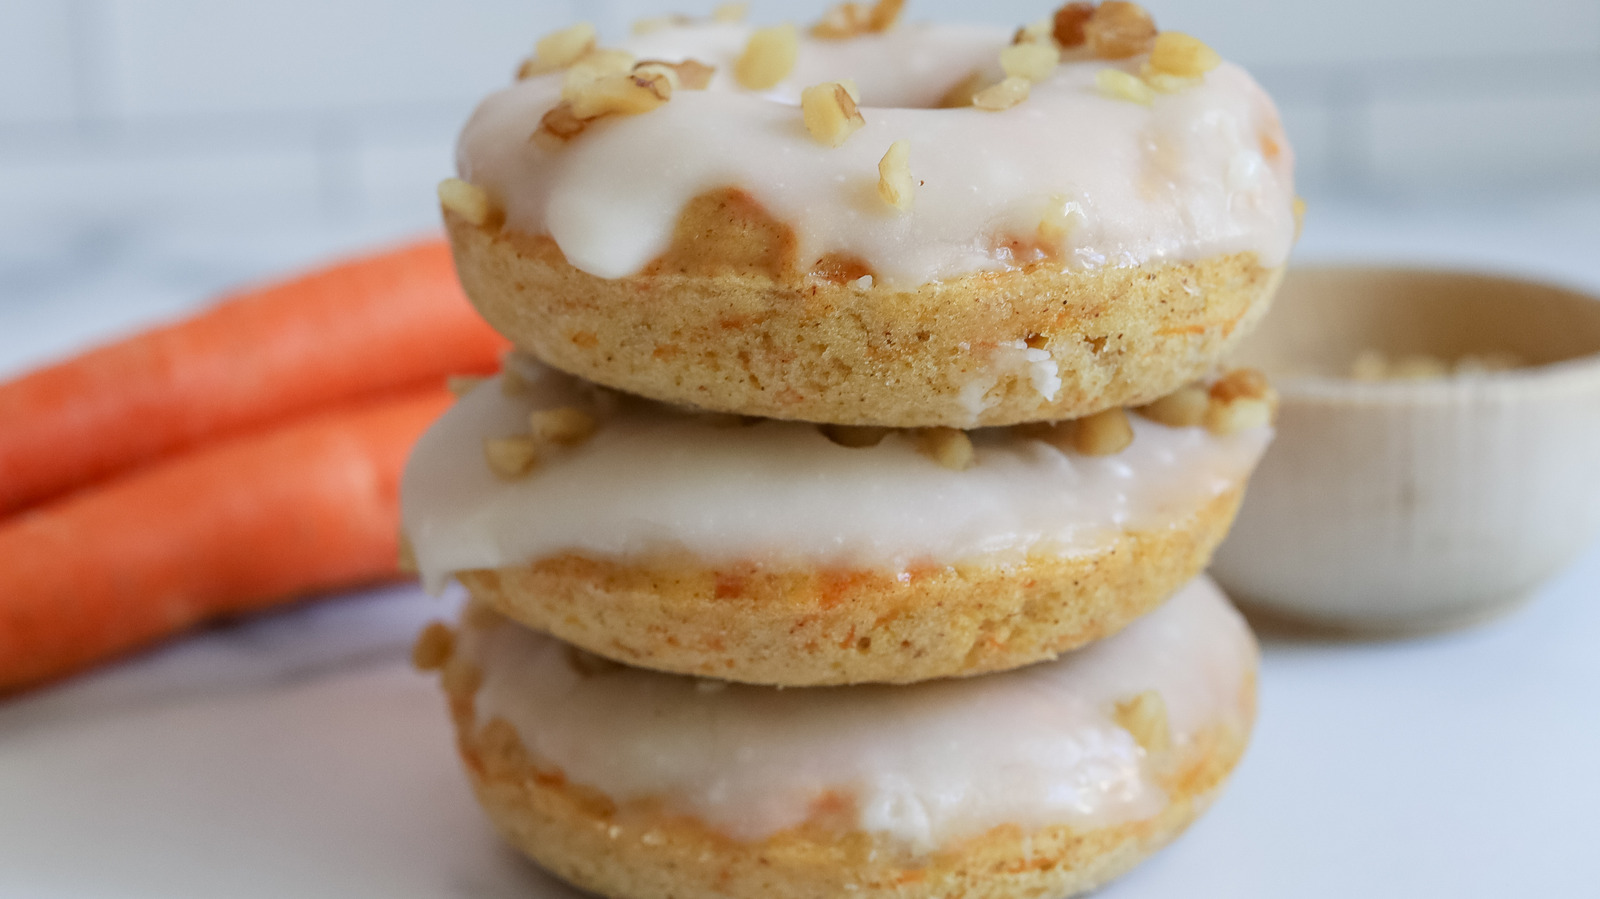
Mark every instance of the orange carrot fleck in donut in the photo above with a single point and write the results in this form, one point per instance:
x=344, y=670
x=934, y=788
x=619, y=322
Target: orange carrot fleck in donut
x=558, y=50
x=1067, y=24
x=830, y=112
x=1004, y=95
x=895, y=184
x=1119, y=30
x=1034, y=62
x=768, y=58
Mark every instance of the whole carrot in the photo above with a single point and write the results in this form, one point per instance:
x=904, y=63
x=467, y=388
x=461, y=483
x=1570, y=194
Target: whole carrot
x=373, y=324
x=238, y=525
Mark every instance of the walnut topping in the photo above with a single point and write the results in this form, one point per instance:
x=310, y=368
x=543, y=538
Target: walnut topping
x=768, y=58
x=854, y=436
x=962, y=92
x=461, y=678
x=947, y=446
x=1176, y=53
x=660, y=23
x=1061, y=218
x=468, y=201
x=511, y=457
x=730, y=12
x=1004, y=95
x=1120, y=85
x=1035, y=33
x=1067, y=24
x=628, y=94
x=895, y=184
x=558, y=126
x=1119, y=30
x=690, y=75
x=434, y=647
x=558, y=50
x=594, y=65
x=565, y=426
x=1103, y=433
x=846, y=20
x=1182, y=408
x=1034, y=62
x=1144, y=717
x=1240, y=400
x=830, y=113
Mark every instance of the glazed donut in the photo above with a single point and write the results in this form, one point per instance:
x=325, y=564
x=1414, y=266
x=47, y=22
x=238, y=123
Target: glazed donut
x=1099, y=243
x=765, y=552
x=1043, y=782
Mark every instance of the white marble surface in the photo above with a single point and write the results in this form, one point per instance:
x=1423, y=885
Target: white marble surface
x=297, y=755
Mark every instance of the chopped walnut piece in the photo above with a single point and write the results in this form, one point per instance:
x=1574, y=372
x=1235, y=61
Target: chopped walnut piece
x=659, y=23
x=1067, y=24
x=846, y=20
x=1120, y=85
x=884, y=14
x=1178, y=54
x=511, y=457
x=468, y=201
x=1004, y=95
x=854, y=436
x=1119, y=30
x=895, y=184
x=1061, y=218
x=768, y=58
x=461, y=385
x=434, y=647
x=730, y=12
x=947, y=446
x=460, y=677
x=962, y=92
x=1182, y=408
x=690, y=75
x=1035, y=33
x=594, y=65
x=1166, y=84
x=1144, y=717
x=628, y=94
x=406, y=561
x=565, y=426
x=558, y=50
x=1034, y=62
x=830, y=114
x=558, y=126
x=1240, y=400
x=1103, y=433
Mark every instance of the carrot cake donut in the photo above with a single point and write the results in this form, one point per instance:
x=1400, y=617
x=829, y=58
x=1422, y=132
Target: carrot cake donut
x=1047, y=781
x=795, y=554
x=876, y=224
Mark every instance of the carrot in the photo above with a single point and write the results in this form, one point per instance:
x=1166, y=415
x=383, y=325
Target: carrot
x=261, y=357
x=239, y=525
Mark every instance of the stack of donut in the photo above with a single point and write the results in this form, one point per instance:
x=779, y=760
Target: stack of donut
x=837, y=527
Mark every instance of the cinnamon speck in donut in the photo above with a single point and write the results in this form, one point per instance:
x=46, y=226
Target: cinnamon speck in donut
x=511, y=457
x=895, y=184
x=949, y=447
x=1067, y=24
x=1144, y=717
x=565, y=426
x=1004, y=95
x=1119, y=30
x=1034, y=62
x=1182, y=408
x=768, y=58
x=558, y=50
x=469, y=201
x=830, y=113
x=1119, y=85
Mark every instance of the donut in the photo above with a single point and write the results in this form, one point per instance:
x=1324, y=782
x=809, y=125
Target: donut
x=768, y=552
x=1047, y=781
x=788, y=225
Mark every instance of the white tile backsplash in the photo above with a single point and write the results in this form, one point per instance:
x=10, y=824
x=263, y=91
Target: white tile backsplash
x=124, y=108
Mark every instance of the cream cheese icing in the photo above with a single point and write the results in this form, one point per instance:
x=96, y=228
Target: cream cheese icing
x=657, y=480
x=922, y=764
x=1202, y=172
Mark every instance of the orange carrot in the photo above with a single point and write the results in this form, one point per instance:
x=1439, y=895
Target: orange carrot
x=262, y=357
x=239, y=525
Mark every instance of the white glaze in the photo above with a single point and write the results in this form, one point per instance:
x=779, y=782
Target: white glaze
x=653, y=480
x=1182, y=180
x=925, y=764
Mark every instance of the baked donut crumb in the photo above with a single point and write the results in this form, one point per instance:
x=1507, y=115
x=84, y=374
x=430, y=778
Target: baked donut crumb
x=469, y=201
x=1006, y=94
x=768, y=58
x=558, y=50
x=1033, y=61
x=434, y=647
x=830, y=113
x=949, y=447
x=1119, y=30
x=511, y=457
x=895, y=184
x=1144, y=717
x=1119, y=85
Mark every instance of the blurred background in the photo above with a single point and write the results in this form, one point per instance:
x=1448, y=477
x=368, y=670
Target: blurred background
x=153, y=151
